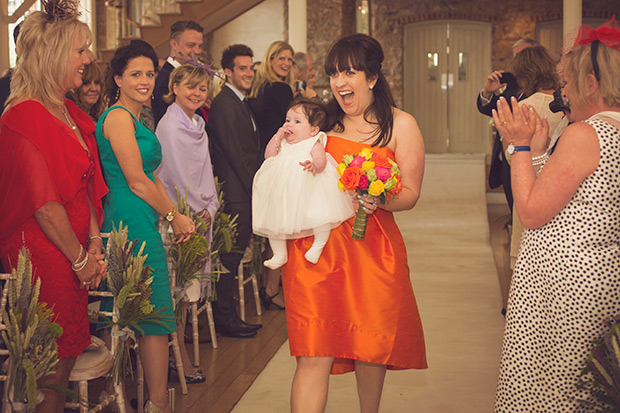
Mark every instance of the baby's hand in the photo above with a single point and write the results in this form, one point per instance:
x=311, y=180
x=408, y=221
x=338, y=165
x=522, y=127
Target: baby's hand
x=309, y=166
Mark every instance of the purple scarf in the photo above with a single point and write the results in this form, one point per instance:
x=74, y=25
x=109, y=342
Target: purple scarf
x=186, y=160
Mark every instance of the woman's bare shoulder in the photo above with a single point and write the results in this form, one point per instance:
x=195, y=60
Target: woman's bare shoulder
x=403, y=119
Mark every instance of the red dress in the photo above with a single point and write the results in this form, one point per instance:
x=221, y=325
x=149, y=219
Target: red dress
x=41, y=160
x=357, y=302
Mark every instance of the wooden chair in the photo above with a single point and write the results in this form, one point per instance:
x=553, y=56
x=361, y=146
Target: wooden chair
x=242, y=280
x=166, y=233
x=97, y=361
x=5, y=361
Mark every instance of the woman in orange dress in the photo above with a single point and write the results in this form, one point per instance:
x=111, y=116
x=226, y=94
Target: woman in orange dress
x=355, y=310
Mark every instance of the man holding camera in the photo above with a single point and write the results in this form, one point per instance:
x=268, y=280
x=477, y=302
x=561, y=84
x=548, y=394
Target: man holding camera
x=500, y=83
x=305, y=75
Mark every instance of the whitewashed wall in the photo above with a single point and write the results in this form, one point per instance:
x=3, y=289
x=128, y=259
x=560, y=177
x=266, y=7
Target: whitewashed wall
x=256, y=28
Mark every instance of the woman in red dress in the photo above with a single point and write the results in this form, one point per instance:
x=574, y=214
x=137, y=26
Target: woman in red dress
x=50, y=183
x=355, y=310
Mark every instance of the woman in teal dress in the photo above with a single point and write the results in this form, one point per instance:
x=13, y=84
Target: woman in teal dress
x=130, y=153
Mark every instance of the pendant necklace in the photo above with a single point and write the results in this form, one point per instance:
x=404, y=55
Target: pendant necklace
x=71, y=125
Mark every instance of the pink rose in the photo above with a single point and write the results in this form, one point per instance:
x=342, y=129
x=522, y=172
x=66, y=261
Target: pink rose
x=383, y=174
x=358, y=161
x=363, y=183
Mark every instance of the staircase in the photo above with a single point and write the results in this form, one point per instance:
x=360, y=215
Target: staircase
x=155, y=30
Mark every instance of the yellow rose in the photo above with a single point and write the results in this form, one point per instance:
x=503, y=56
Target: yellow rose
x=368, y=165
x=366, y=153
x=376, y=188
x=340, y=168
x=341, y=186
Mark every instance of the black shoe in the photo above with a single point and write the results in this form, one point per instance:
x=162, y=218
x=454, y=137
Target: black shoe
x=267, y=299
x=254, y=327
x=235, y=328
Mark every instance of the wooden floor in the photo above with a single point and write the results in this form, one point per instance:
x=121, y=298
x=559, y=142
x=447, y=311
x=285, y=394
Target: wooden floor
x=233, y=367
x=499, y=217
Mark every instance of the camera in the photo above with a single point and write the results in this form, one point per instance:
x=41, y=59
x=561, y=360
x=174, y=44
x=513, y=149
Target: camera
x=301, y=85
x=560, y=103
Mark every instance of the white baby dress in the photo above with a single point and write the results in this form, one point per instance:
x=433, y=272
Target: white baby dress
x=288, y=202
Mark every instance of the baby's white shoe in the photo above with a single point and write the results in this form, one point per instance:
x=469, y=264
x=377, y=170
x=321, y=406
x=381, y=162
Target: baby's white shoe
x=314, y=253
x=275, y=262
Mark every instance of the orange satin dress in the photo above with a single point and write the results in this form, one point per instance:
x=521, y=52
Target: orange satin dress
x=357, y=302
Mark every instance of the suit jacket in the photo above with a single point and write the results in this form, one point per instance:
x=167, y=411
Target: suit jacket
x=5, y=91
x=235, y=145
x=161, y=89
x=269, y=109
x=497, y=157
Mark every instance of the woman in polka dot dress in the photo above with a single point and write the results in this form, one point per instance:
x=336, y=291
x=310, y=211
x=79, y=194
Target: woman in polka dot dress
x=567, y=277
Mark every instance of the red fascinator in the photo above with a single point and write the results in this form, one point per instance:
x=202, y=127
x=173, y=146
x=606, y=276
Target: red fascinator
x=606, y=34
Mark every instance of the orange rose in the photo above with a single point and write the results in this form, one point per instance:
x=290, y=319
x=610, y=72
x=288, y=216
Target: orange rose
x=350, y=177
x=382, y=161
x=398, y=187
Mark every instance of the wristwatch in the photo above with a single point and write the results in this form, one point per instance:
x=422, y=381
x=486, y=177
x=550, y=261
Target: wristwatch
x=171, y=215
x=512, y=149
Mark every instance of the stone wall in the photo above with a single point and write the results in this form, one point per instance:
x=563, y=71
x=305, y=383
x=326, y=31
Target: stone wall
x=512, y=20
x=328, y=20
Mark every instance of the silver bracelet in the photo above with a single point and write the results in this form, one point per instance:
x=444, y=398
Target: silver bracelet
x=95, y=237
x=78, y=266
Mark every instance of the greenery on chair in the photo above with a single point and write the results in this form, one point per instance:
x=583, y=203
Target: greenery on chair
x=189, y=258
x=601, y=376
x=30, y=335
x=224, y=238
x=129, y=280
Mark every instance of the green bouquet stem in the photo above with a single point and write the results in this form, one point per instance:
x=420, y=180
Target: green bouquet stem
x=359, y=226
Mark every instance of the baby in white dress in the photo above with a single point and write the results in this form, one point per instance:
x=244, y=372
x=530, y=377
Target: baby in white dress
x=295, y=192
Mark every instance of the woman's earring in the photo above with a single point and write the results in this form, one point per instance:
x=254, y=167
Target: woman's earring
x=118, y=92
x=371, y=86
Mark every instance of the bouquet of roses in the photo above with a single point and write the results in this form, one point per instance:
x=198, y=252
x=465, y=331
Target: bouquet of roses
x=368, y=173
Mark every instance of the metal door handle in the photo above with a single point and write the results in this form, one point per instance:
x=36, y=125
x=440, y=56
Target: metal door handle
x=450, y=81
x=444, y=82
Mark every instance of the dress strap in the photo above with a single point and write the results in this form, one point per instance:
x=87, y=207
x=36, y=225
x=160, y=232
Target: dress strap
x=320, y=137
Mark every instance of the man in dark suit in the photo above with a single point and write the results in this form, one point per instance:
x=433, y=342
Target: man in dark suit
x=499, y=173
x=185, y=44
x=5, y=81
x=235, y=146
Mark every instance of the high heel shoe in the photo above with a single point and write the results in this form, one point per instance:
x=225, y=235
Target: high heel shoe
x=151, y=407
x=267, y=299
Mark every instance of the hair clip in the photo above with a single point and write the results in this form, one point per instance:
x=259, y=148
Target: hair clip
x=60, y=10
x=196, y=63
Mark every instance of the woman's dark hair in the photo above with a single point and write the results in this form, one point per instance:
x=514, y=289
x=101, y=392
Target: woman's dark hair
x=314, y=110
x=118, y=64
x=363, y=53
x=535, y=70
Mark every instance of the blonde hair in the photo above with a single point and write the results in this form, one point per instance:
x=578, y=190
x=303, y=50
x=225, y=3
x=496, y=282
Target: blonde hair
x=578, y=65
x=44, y=49
x=185, y=73
x=266, y=74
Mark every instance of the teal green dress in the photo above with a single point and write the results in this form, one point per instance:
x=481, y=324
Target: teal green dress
x=121, y=204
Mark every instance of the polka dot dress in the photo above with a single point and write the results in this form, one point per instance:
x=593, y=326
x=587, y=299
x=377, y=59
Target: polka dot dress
x=565, y=284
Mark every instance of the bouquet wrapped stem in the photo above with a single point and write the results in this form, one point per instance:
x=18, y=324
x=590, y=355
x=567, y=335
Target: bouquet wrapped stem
x=359, y=225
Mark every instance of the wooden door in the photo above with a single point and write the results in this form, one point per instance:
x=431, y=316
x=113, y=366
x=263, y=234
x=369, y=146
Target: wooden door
x=445, y=65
